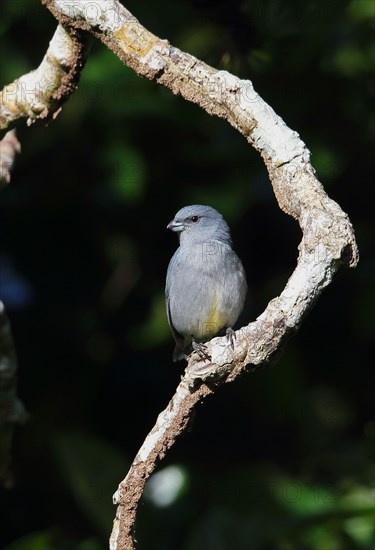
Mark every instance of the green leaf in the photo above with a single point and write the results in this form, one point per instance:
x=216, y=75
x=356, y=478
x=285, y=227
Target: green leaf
x=154, y=330
x=92, y=469
x=36, y=541
x=127, y=172
x=199, y=40
x=327, y=162
x=360, y=10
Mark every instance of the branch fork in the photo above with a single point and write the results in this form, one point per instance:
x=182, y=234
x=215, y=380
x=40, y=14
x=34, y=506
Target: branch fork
x=328, y=241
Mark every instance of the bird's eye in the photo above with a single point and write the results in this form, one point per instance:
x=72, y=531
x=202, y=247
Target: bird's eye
x=194, y=219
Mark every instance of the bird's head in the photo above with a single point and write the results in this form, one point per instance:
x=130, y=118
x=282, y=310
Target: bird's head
x=200, y=223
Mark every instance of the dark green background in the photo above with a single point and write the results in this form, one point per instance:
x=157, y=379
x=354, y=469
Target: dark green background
x=278, y=460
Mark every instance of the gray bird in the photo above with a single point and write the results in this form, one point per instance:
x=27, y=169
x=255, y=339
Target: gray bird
x=206, y=282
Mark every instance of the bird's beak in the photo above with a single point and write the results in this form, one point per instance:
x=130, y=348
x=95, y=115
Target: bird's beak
x=175, y=226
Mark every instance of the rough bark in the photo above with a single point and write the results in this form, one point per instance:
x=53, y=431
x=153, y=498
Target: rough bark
x=40, y=94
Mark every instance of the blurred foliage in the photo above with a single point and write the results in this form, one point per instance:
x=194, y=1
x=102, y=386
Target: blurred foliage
x=281, y=460
x=84, y=462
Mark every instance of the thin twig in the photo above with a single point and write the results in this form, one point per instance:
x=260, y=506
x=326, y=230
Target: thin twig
x=9, y=147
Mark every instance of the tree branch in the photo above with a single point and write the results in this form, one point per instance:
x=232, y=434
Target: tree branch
x=328, y=240
x=9, y=147
x=40, y=94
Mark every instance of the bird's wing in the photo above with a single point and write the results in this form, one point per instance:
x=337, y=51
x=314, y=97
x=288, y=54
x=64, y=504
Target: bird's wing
x=180, y=341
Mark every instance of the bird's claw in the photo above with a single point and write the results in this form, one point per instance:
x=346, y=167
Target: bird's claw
x=201, y=350
x=231, y=336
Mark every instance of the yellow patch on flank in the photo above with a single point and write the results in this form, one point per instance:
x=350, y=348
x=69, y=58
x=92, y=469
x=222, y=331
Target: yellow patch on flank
x=214, y=322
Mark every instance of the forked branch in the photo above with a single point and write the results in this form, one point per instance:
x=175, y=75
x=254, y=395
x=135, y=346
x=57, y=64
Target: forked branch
x=327, y=244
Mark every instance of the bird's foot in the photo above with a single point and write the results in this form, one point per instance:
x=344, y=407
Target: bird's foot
x=231, y=336
x=201, y=350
